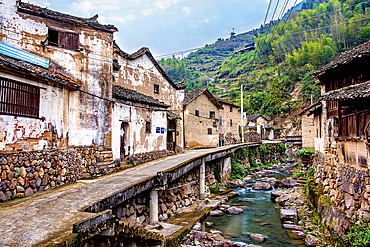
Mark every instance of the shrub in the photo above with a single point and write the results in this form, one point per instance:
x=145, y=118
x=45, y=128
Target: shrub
x=359, y=235
x=237, y=171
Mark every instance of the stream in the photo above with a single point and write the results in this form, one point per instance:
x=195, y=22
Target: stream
x=261, y=216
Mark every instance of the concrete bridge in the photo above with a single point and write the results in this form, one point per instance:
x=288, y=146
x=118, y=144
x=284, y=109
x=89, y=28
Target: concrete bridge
x=53, y=215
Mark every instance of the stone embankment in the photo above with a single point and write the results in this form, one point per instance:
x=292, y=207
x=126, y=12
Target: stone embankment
x=295, y=214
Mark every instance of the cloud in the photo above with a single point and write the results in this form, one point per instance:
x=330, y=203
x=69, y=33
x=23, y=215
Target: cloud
x=122, y=19
x=186, y=10
x=147, y=12
x=163, y=5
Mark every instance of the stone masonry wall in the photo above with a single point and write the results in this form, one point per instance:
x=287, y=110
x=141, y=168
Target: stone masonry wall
x=348, y=188
x=26, y=173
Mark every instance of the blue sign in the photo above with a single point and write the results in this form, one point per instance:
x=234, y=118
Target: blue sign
x=13, y=52
x=162, y=130
x=158, y=130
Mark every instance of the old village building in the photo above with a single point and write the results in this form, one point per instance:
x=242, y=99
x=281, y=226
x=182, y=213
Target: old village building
x=229, y=122
x=201, y=118
x=146, y=116
x=73, y=105
x=343, y=117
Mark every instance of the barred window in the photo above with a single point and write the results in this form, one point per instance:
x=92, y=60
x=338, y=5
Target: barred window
x=209, y=131
x=196, y=113
x=19, y=99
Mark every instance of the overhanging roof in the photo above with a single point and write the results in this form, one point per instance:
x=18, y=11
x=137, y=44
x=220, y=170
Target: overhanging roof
x=133, y=96
x=12, y=64
x=361, y=90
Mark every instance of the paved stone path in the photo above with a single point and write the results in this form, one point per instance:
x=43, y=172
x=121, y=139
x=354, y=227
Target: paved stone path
x=49, y=216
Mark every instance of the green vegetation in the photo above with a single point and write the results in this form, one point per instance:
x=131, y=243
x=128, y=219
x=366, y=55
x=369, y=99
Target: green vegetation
x=359, y=235
x=283, y=60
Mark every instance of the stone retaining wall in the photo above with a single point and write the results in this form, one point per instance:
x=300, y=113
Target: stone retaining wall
x=25, y=173
x=348, y=188
x=181, y=193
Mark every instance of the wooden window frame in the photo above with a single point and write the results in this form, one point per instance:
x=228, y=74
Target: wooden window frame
x=231, y=123
x=196, y=113
x=209, y=131
x=19, y=99
x=148, y=127
x=156, y=88
x=65, y=40
x=212, y=114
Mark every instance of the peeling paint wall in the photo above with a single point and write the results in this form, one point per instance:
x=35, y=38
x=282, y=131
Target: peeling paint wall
x=138, y=140
x=196, y=128
x=89, y=117
x=140, y=75
x=31, y=133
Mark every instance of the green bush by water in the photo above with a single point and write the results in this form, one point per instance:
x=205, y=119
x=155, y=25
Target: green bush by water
x=359, y=235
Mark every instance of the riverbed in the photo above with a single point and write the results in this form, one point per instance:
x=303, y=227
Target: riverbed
x=261, y=216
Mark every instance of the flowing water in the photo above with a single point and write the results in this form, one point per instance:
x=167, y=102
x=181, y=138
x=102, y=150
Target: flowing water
x=261, y=216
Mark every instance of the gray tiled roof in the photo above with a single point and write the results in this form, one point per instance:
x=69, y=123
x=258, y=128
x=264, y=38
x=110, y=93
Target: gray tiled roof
x=145, y=51
x=37, y=71
x=133, y=96
x=346, y=57
x=65, y=18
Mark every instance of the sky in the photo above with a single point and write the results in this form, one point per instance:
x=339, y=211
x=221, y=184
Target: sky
x=168, y=26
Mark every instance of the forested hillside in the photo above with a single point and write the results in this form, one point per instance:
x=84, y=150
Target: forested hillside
x=277, y=74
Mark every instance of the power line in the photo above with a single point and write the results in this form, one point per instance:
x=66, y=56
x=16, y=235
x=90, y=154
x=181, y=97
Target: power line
x=291, y=10
x=273, y=15
x=338, y=24
x=268, y=9
x=309, y=18
x=281, y=15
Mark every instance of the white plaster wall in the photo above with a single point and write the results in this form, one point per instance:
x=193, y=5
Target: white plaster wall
x=137, y=142
x=91, y=67
x=52, y=105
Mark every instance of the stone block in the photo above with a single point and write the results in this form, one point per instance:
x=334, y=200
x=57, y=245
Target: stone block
x=288, y=215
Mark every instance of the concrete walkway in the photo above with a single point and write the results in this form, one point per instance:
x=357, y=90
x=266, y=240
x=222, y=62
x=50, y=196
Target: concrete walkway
x=49, y=216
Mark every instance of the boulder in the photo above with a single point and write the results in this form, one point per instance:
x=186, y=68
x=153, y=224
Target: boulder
x=235, y=210
x=293, y=227
x=2, y=197
x=288, y=215
x=258, y=237
x=312, y=241
x=198, y=235
x=235, y=183
x=284, y=198
x=216, y=213
x=277, y=193
x=261, y=186
x=285, y=183
x=222, y=244
x=209, y=224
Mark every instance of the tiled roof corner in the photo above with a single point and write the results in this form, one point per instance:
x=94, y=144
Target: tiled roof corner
x=193, y=94
x=145, y=51
x=345, y=58
x=92, y=22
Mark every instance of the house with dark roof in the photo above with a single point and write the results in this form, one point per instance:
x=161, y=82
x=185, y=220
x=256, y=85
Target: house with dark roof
x=201, y=119
x=146, y=117
x=312, y=126
x=344, y=109
x=67, y=60
x=229, y=122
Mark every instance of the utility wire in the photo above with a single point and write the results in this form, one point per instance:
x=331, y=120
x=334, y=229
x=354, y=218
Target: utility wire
x=312, y=17
x=281, y=15
x=273, y=15
x=291, y=10
x=267, y=13
x=305, y=31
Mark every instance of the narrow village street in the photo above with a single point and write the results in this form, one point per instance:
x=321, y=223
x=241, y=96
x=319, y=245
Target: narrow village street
x=49, y=216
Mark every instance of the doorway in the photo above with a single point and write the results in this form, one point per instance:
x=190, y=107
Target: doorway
x=124, y=147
